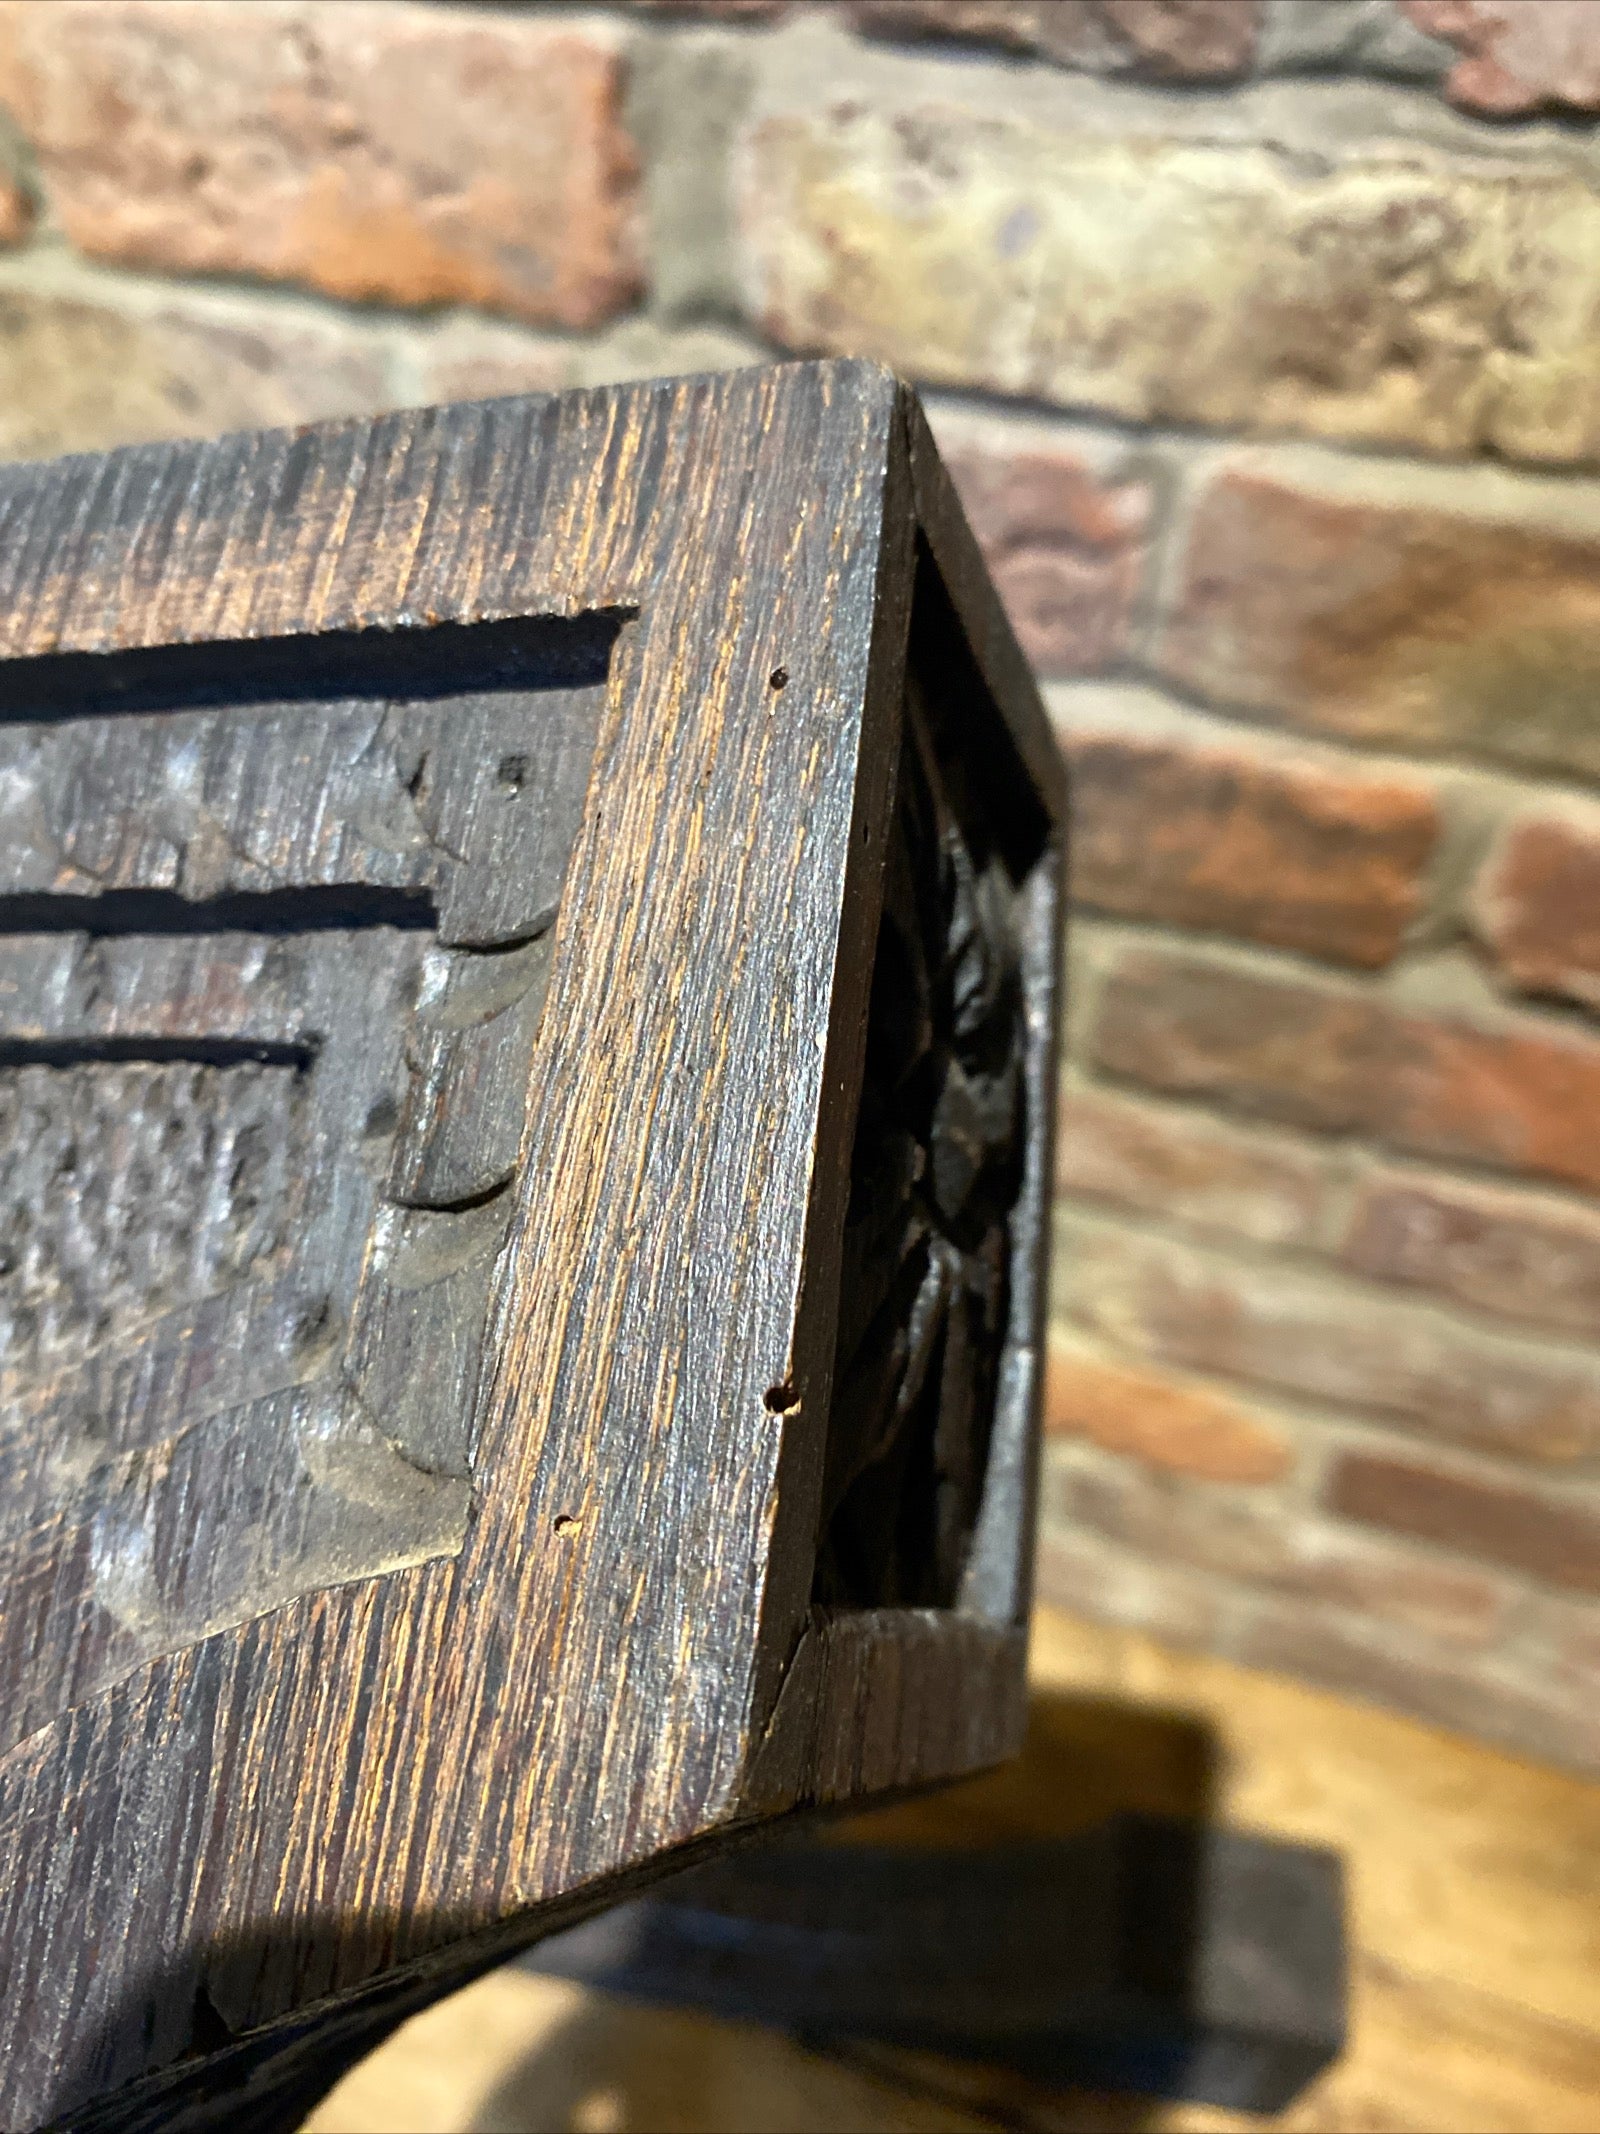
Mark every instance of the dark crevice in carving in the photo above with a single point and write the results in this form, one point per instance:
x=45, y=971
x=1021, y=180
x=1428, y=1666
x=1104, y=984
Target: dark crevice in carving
x=484, y=952
x=323, y=908
x=154, y=1051
x=209, y=2029
x=414, y=663
x=463, y=1205
x=992, y=793
x=935, y=1171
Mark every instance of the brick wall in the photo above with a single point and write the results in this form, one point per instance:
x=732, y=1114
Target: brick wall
x=1264, y=336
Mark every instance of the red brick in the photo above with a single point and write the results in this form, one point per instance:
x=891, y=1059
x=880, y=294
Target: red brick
x=1272, y=1324
x=1190, y=39
x=1521, y=1255
x=1265, y=1543
x=1394, y=623
x=1084, y=1572
x=1525, y=1096
x=1412, y=1649
x=1182, y=1165
x=1163, y=1421
x=1532, y=1711
x=378, y=149
x=1160, y=39
x=1537, y=902
x=1228, y=838
x=1554, y=1539
x=1516, y=58
x=16, y=212
x=1066, y=544
x=1011, y=25
x=1187, y=39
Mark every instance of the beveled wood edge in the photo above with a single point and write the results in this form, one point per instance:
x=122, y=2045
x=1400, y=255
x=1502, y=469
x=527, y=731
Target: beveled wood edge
x=786, y=1603
x=876, y=1700
x=978, y=1649
x=998, y=1586
x=984, y=621
x=284, y=559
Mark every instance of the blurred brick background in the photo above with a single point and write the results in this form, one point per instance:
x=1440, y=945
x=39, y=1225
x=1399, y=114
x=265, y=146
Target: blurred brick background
x=1264, y=336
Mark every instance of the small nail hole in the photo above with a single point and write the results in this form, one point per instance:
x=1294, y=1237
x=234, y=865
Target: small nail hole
x=781, y=1399
x=382, y=1118
x=564, y=1523
x=779, y=678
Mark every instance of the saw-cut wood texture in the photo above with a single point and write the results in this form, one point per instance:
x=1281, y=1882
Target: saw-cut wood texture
x=527, y=992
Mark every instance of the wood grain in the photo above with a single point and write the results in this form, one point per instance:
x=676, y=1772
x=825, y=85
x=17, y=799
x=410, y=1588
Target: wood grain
x=185, y=897
x=597, y=1020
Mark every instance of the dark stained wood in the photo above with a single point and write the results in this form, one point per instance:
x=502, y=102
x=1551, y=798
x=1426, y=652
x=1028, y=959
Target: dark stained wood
x=442, y=879
x=935, y=1171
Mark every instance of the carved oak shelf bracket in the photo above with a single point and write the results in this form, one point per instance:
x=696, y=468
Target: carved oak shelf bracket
x=527, y=995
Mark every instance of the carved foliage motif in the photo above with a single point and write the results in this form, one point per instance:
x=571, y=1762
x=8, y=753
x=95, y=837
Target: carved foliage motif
x=935, y=1170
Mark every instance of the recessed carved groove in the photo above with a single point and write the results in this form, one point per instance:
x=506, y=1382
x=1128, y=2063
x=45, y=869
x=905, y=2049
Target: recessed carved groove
x=413, y=664
x=484, y=1198
x=326, y=907
x=182, y=1051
